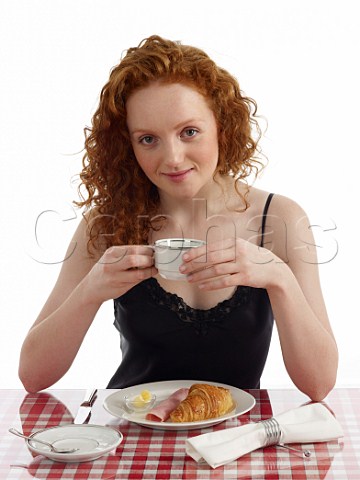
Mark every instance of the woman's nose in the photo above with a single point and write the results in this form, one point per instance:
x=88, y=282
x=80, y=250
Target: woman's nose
x=173, y=154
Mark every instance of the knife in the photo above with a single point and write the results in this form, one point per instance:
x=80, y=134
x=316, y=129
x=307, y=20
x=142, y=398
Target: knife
x=85, y=407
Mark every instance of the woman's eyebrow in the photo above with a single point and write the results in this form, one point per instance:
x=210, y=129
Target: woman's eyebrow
x=190, y=121
x=183, y=123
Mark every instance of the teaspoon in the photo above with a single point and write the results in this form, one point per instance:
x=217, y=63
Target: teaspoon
x=50, y=445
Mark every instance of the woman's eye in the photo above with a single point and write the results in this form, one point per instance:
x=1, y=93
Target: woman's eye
x=190, y=132
x=147, y=140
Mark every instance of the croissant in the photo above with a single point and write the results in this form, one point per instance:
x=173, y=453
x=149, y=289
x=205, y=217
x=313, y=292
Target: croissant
x=203, y=402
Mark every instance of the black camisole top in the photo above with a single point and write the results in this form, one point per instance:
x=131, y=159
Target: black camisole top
x=162, y=338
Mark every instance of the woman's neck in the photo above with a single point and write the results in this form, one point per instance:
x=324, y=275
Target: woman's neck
x=204, y=213
x=211, y=200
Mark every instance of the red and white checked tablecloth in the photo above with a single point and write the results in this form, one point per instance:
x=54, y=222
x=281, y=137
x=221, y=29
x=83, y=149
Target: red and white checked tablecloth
x=156, y=454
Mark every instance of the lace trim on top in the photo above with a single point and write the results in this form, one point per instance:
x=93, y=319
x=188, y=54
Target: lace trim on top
x=198, y=318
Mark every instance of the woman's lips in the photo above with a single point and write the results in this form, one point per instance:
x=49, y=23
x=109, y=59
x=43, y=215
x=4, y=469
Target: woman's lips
x=177, y=177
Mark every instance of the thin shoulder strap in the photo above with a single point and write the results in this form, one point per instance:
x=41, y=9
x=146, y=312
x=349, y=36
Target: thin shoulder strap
x=263, y=223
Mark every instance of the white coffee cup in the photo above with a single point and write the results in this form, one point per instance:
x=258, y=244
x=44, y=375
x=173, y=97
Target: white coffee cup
x=168, y=255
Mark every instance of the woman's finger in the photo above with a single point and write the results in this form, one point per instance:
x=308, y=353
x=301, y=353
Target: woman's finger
x=208, y=259
x=221, y=282
x=117, y=254
x=229, y=243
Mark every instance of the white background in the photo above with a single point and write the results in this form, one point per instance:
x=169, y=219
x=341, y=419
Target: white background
x=298, y=59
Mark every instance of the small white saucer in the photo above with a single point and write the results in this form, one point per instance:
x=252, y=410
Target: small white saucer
x=92, y=441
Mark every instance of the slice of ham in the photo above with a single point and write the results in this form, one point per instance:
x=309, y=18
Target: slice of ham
x=161, y=412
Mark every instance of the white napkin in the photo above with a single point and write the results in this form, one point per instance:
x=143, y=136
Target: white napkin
x=306, y=424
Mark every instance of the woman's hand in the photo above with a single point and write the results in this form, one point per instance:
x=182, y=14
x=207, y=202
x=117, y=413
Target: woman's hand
x=231, y=262
x=118, y=270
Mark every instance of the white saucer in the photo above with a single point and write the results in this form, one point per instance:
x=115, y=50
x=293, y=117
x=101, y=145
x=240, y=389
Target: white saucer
x=92, y=441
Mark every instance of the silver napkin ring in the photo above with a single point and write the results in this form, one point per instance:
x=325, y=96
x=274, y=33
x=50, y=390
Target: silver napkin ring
x=272, y=430
x=273, y=436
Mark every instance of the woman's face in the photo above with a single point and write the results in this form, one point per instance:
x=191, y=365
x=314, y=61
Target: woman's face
x=174, y=136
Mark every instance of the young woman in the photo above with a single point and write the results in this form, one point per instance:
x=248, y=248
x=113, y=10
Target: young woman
x=168, y=155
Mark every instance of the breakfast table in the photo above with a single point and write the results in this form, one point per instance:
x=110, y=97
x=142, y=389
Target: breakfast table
x=148, y=453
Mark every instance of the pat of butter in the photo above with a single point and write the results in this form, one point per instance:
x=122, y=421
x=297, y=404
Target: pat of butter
x=140, y=400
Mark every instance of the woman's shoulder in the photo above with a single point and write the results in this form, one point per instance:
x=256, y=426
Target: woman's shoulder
x=279, y=205
x=81, y=237
x=288, y=229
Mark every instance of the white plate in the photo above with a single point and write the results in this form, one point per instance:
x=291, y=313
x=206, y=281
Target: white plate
x=92, y=442
x=114, y=404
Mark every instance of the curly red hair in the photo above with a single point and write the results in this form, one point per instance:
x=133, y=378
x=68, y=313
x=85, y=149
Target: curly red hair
x=115, y=184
